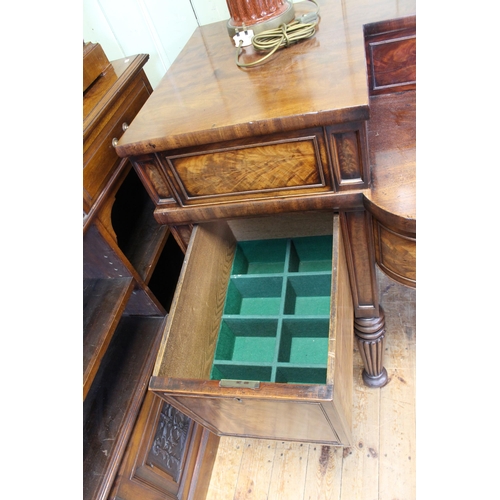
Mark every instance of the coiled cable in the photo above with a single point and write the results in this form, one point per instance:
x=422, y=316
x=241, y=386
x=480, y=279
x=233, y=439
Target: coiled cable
x=284, y=36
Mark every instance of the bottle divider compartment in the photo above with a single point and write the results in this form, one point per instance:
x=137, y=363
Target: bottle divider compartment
x=275, y=324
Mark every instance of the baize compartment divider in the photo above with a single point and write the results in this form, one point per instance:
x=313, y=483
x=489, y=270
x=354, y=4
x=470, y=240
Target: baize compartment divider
x=262, y=340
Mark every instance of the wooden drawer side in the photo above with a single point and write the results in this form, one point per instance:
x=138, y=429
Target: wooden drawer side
x=191, y=331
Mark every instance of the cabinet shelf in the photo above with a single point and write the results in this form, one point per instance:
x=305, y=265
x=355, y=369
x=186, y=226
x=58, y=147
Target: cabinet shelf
x=114, y=400
x=139, y=236
x=104, y=301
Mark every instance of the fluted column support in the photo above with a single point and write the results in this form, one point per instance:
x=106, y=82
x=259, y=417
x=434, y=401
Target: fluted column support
x=370, y=335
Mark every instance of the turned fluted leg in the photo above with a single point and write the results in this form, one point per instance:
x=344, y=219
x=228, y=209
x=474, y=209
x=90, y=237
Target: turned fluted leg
x=370, y=335
x=369, y=320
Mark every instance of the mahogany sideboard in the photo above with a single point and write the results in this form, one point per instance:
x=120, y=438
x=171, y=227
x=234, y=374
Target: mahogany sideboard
x=135, y=445
x=325, y=128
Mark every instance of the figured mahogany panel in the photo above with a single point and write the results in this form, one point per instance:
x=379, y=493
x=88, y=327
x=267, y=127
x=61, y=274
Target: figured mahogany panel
x=268, y=167
x=154, y=178
x=391, y=55
x=396, y=254
x=348, y=149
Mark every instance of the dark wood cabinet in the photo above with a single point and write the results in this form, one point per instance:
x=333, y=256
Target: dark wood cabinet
x=130, y=271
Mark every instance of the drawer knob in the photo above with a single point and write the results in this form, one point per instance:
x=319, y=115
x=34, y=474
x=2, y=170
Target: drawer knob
x=124, y=126
x=114, y=142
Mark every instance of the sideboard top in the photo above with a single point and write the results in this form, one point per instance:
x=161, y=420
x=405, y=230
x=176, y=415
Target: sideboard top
x=206, y=98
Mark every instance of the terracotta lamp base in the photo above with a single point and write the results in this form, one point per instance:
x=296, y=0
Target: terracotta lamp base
x=258, y=15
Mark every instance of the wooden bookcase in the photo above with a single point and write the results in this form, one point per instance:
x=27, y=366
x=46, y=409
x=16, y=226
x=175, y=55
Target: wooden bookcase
x=130, y=270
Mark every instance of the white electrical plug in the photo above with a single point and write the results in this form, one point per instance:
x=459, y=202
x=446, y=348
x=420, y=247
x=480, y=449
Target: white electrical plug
x=243, y=38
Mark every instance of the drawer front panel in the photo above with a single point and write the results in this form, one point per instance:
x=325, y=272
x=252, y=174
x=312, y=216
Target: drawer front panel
x=270, y=168
x=100, y=158
x=262, y=419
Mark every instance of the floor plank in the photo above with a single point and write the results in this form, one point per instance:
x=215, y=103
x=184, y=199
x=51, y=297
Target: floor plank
x=324, y=473
x=257, y=464
x=380, y=465
x=226, y=469
x=289, y=471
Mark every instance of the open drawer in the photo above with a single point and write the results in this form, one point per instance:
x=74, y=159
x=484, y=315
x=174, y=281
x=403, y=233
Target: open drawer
x=258, y=341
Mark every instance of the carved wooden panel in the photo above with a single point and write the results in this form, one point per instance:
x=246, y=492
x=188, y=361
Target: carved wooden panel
x=269, y=167
x=169, y=444
x=169, y=457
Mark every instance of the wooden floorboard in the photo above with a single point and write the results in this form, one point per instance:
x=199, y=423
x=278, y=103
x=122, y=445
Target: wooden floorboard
x=380, y=465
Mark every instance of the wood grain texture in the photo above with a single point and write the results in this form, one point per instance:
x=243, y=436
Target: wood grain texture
x=192, y=327
x=114, y=400
x=379, y=465
x=227, y=468
x=104, y=301
x=392, y=144
x=392, y=197
x=391, y=55
x=320, y=81
x=276, y=166
x=254, y=484
x=396, y=254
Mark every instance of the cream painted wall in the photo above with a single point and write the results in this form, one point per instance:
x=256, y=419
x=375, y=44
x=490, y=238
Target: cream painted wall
x=159, y=28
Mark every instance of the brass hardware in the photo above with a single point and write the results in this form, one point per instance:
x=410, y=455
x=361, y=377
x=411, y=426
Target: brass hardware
x=245, y=384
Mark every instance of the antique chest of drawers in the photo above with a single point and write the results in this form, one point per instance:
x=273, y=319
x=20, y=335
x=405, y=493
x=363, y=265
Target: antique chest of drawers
x=259, y=339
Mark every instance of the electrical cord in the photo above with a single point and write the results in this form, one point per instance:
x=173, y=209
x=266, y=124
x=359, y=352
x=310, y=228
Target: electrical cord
x=287, y=34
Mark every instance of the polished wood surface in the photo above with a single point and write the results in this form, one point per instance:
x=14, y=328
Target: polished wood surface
x=111, y=101
x=95, y=62
x=215, y=141
x=392, y=140
x=205, y=98
x=391, y=59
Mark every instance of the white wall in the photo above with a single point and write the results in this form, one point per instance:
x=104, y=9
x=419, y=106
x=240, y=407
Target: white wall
x=159, y=28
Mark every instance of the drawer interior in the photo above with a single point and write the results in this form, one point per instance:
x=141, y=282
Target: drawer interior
x=264, y=304
x=275, y=322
